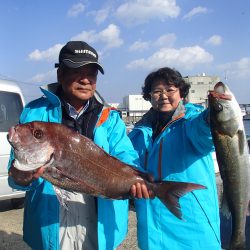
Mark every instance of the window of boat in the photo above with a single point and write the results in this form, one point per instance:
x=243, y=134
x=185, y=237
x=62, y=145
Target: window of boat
x=10, y=109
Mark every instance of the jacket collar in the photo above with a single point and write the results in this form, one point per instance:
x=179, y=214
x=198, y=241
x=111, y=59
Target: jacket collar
x=51, y=89
x=148, y=119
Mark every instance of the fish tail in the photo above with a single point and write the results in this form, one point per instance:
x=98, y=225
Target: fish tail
x=238, y=246
x=248, y=210
x=169, y=193
x=224, y=206
x=238, y=237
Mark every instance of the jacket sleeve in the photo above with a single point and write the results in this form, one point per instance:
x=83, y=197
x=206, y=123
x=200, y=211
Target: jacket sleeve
x=120, y=145
x=112, y=227
x=140, y=141
x=198, y=132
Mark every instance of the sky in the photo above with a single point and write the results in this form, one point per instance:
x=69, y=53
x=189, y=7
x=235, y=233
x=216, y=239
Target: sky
x=133, y=38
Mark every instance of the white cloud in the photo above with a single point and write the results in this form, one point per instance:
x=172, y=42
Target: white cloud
x=238, y=69
x=109, y=36
x=101, y=15
x=195, y=11
x=50, y=54
x=237, y=75
x=75, y=10
x=49, y=76
x=167, y=40
x=140, y=11
x=139, y=46
x=88, y=36
x=214, y=40
x=187, y=57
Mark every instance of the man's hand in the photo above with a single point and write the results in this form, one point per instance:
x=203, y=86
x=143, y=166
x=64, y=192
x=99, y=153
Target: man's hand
x=24, y=178
x=140, y=190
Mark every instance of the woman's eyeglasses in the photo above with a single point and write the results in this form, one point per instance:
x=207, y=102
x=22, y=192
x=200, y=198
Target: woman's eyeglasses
x=159, y=92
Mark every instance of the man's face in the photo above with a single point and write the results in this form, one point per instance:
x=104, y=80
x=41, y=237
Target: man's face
x=78, y=84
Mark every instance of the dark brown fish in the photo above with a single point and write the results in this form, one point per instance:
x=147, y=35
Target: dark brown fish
x=233, y=158
x=73, y=162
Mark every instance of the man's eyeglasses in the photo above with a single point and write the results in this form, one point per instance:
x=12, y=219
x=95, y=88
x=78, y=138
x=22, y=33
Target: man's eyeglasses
x=159, y=92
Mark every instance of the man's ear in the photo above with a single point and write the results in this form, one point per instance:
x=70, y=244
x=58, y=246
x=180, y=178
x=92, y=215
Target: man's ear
x=59, y=74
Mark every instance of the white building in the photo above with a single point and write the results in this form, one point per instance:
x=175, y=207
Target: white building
x=134, y=106
x=200, y=85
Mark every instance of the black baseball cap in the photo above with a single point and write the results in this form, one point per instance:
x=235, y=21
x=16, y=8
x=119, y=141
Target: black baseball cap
x=78, y=53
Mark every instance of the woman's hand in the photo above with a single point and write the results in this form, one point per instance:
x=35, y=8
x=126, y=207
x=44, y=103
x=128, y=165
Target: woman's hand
x=140, y=190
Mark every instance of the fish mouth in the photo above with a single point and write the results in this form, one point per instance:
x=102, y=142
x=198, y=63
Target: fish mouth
x=12, y=138
x=221, y=96
x=12, y=144
x=33, y=166
x=11, y=134
x=220, y=92
x=50, y=160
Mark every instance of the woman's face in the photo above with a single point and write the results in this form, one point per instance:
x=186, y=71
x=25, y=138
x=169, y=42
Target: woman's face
x=164, y=97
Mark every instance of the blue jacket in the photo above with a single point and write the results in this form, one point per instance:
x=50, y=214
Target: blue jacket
x=41, y=214
x=185, y=151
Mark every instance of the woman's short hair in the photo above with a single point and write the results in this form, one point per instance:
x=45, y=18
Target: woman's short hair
x=168, y=75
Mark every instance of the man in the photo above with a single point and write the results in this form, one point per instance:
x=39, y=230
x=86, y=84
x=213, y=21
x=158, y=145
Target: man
x=88, y=223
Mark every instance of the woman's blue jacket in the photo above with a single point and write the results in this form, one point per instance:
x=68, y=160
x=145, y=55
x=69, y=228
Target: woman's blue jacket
x=182, y=152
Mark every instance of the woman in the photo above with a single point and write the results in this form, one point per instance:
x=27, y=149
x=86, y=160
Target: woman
x=174, y=144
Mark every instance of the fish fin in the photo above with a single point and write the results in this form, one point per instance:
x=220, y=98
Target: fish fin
x=61, y=197
x=241, y=141
x=169, y=193
x=224, y=207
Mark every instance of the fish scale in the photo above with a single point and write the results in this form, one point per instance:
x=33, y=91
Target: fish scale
x=233, y=159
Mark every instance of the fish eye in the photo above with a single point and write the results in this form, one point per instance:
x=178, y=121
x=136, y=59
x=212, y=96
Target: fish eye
x=38, y=134
x=218, y=107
